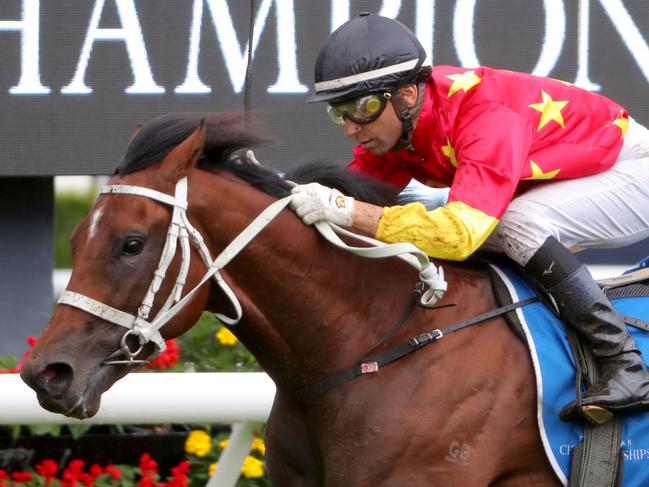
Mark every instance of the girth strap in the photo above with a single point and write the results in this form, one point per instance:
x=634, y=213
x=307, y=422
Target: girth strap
x=597, y=460
x=373, y=364
x=625, y=279
x=636, y=322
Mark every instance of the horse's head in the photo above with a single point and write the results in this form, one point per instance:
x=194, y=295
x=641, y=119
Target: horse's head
x=121, y=277
x=140, y=257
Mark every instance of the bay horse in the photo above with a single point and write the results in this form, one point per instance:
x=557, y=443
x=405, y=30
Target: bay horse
x=460, y=412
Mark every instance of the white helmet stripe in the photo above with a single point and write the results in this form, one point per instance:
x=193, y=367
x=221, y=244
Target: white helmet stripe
x=355, y=78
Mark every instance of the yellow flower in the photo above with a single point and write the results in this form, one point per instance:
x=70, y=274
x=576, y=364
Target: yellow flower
x=223, y=443
x=212, y=468
x=225, y=337
x=259, y=445
x=252, y=468
x=198, y=443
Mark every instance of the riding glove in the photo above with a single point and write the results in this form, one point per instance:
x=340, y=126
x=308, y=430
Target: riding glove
x=314, y=202
x=416, y=192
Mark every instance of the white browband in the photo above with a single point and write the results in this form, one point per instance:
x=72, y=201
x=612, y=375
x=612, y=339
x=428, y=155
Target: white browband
x=181, y=229
x=149, y=193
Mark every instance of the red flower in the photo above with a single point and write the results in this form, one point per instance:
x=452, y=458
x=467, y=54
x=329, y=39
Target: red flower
x=73, y=474
x=182, y=467
x=68, y=480
x=21, y=476
x=31, y=341
x=3, y=475
x=86, y=479
x=168, y=358
x=148, y=469
x=146, y=482
x=47, y=469
x=76, y=466
x=148, y=465
x=115, y=472
x=179, y=477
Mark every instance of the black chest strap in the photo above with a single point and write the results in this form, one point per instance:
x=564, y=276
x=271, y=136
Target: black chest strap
x=373, y=364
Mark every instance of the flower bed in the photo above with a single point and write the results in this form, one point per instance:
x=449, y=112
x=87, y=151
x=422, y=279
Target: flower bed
x=77, y=473
x=155, y=456
x=202, y=451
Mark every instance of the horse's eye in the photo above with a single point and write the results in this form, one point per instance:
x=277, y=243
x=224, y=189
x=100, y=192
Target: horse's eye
x=133, y=246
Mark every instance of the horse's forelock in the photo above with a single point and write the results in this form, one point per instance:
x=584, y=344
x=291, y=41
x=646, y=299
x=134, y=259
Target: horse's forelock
x=227, y=132
x=224, y=132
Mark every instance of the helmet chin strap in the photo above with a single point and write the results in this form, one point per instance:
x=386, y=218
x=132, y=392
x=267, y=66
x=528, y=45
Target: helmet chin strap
x=407, y=115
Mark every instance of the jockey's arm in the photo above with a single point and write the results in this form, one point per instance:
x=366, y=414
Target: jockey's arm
x=366, y=217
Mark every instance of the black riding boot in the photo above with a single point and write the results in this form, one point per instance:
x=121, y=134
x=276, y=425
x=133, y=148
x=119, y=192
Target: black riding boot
x=623, y=379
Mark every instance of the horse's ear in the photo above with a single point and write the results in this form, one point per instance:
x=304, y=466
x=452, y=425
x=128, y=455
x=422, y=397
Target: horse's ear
x=184, y=156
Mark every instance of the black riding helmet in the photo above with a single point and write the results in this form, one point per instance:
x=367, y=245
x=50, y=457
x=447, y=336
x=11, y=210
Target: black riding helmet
x=366, y=54
x=370, y=54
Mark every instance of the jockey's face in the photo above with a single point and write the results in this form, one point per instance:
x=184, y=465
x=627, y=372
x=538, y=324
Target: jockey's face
x=381, y=135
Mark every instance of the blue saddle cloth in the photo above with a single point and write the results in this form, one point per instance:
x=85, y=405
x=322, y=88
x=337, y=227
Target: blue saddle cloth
x=555, y=382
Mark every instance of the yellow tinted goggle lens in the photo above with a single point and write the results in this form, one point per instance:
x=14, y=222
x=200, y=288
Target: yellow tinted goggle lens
x=369, y=105
x=364, y=109
x=336, y=115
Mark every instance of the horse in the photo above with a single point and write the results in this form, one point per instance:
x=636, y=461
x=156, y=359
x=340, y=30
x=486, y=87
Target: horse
x=461, y=411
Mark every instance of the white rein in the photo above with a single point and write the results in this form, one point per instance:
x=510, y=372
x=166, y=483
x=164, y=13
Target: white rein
x=181, y=229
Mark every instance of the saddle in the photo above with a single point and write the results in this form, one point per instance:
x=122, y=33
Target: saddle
x=600, y=452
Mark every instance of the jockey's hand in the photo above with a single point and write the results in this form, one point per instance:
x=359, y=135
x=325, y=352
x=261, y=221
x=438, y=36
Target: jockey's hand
x=416, y=192
x=314, y=202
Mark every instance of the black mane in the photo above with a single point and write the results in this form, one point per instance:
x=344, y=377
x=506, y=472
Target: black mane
x=224, y=135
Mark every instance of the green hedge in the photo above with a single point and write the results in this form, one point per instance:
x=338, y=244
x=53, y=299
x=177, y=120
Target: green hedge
x=70, y=209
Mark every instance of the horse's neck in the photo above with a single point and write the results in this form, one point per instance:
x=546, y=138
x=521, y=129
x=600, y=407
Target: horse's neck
x=309, y=309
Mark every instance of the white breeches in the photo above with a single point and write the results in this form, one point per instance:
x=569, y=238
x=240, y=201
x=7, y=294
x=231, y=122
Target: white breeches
x=609, y=209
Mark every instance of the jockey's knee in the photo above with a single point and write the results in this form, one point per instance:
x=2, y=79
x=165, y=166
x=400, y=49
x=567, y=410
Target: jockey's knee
x=520, y=234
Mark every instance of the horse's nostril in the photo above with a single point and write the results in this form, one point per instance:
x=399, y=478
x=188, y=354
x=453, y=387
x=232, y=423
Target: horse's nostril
x=56, y=375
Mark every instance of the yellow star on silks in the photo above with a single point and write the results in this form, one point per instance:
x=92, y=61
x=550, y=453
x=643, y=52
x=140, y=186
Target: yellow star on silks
x=537, y=172
x=622, y=122
x=464, y=81
x=550, y=110
x=449, y=152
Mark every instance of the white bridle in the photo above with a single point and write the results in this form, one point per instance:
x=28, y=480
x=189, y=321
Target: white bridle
x=181, y=229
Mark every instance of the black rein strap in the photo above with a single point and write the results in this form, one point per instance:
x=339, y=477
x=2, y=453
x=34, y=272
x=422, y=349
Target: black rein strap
x=373, y=364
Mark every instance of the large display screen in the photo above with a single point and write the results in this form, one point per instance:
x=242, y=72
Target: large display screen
x=77, y=75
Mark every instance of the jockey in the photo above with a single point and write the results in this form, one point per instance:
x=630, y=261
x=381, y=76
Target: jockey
x=535, y=166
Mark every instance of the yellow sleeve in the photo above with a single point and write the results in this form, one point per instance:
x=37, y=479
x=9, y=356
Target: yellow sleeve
x=451, y=232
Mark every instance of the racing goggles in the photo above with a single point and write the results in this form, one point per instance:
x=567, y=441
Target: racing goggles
x=361, y=110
